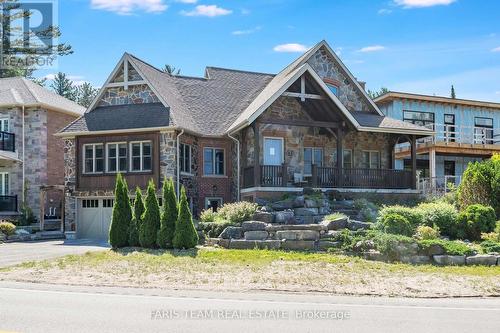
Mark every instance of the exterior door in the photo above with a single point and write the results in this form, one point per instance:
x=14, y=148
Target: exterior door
x=273, y=151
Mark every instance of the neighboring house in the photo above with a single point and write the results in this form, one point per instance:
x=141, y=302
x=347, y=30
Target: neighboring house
x=30, y=154
x=465, y=131
x=231, y=135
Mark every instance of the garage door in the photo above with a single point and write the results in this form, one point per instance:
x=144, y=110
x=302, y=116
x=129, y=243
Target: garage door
x=94, y=218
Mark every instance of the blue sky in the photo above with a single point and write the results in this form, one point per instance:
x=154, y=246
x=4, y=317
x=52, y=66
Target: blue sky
x=420, y=46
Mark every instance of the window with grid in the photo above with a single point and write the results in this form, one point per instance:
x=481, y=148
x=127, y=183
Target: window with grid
x=117, y=157
x=185, y=158
x=213, y=161
x=371, y=160
x=93, y=161
x=312, y=156
x=141, y=158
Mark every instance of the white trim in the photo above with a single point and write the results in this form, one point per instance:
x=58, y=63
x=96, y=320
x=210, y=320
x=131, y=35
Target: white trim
x=117, y=156
x=3, y=182
x=214, y=175
x=94, y=164
x=282, y=148
x=141, y=155
x=5, y=119
x=165, y=129
x=130, y=83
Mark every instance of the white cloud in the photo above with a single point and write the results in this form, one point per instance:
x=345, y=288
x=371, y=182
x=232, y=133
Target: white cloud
x=128, y=7
x=246, y=32
x=371, y=48
x=291, y=47
x=187, y=1
x=384, y=11
x=209, y=11
x=496, y=49
x=422, y=3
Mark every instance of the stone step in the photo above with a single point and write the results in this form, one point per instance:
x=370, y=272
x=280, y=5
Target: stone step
x=44, y=235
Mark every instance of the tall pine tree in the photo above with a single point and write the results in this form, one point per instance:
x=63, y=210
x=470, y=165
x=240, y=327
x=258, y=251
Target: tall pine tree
x=151, y=219
x=133, y=237
x=168, y=216
x=185, y=236
x=452, y=94
x=121, y=216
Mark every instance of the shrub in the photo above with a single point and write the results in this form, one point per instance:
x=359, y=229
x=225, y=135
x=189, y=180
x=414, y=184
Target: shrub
x=390, y=244
x=450, y=247
x=185, y=236
x=208, y=215
x=411, y=214
x=135, y=225
x=151, y=219
x=7, y=228
x=397, y=224
x=441, y=215
x=481, y=184
x=237, y=212
x=490, y=246
x=27, y=217
x=168, y=216
x=121, y=216
x=367, y=209
x=425, y=233
x=476, y=219
x=213, y=229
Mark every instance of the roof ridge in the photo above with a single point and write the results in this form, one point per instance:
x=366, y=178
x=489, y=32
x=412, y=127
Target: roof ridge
x=239, y=70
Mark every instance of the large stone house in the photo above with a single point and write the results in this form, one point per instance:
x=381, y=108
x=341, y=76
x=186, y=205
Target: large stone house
x=31, y=157
x=231, y=135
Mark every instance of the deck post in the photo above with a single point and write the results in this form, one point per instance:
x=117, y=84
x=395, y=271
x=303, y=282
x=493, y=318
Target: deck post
x=314, y=176
x=256, y=150
x=340, y=156
x=413, y=140
x=284, y=176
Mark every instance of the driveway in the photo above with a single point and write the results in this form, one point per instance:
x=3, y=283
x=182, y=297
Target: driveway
x=16, y=253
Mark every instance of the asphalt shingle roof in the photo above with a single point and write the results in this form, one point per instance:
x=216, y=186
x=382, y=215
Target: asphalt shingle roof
x=373, y=120
x=21, y=91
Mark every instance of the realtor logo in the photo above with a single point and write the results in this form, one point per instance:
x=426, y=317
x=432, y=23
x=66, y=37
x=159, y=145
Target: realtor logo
x=28, y=34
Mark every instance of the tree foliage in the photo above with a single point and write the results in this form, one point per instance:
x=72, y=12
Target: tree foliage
x=86, y=94
x=168, y=215
x=172, y=70
x=377, y=93
x=121, y=216
x=82, y=94
x=133, y=237
x=452, y=93
x=151, y=219
x=185, y=236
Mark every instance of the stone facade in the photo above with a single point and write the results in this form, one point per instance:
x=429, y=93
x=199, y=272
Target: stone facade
x=70, y=168
x=325, y=66
x=168, y=155
x=139, y=94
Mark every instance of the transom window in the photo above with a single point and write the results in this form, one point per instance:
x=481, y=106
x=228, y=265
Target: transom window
x=312, y=156
x=4, y=183
x=419, y=118
x=141, y=156
x=117, y=157
x=371, y=159
x=213, y=161
x=4, y=124
x=108, y=203
x=90, y=203
x=185, y=158
x=483, y=122
x=93, y=158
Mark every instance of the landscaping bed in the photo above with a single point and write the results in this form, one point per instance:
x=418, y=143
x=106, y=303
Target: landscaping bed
x=208, y=268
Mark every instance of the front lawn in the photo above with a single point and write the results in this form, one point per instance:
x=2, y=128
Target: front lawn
x=242, y=270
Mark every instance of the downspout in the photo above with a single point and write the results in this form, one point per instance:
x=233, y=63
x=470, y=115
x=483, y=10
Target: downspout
x=179, y=165
x=238, y=166
x=23, y=145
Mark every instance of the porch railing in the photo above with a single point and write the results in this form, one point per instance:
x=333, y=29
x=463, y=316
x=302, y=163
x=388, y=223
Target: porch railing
x=7, y=141
x=437, y=186
x=8, y=203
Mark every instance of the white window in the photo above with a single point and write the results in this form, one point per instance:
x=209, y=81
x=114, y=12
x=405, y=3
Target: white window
x=141, y=156
x=312, y=156
x=116, y=157
x=4, y=183
x=213, y=162
x=93, y=158
x=4, y=124
x=185, y=158
x=371, y=159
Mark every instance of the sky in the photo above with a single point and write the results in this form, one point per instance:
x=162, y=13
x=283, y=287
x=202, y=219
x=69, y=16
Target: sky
x=418, y=46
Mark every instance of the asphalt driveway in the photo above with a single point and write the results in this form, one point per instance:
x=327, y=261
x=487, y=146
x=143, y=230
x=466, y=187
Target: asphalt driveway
x=16, y=253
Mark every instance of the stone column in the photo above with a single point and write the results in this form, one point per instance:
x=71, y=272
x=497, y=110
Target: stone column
x=70, y=184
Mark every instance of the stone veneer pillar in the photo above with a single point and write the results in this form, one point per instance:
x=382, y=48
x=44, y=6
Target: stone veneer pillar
x=70, y=184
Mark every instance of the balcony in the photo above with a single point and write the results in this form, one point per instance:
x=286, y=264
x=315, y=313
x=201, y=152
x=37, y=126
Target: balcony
x=328, y=177
x=8, y=203
x=7, y=141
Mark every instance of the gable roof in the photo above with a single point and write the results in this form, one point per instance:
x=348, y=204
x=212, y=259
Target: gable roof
x=19, y=91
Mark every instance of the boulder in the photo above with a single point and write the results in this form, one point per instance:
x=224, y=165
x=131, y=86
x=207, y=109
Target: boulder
x=305, y=219
x=299, y=201
x=315, y=227
x=263, y=217
x=224, y=243
x=232, y=232
x=285, y=217
x=256, y=235
x=298, y=245
x=482, y=259
x=311, y=203
x=330, y=234
x=261, y=202
x=324, y=210
x=325, y=245
x=357, y=225
x=266, y=209
x=244, y=244
x=415, y=260
x=282, y=205
x=434, y=249
x=364, y=245
x=449, y=260
x=374, y=255
x=2, y=237
x=405, y=249
x=212, y=241
x=306, y=211
x=297, y=235
x=253, y=226
x=337, y=224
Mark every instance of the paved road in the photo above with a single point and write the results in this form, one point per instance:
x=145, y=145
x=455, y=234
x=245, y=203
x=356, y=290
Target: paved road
x=16, y=253
x=44, y=308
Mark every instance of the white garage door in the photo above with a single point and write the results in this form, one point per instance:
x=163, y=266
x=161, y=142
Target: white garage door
x=94, y=218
